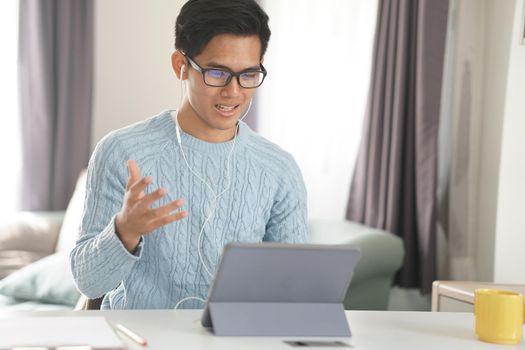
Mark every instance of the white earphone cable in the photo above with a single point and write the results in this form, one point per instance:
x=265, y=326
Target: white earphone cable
x=210, y=209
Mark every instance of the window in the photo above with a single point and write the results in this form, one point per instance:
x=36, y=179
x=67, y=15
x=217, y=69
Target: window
x=10, y=147
x=314, y=97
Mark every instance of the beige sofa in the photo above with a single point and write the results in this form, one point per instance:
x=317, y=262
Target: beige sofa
x=34, y=251
x=34, y=257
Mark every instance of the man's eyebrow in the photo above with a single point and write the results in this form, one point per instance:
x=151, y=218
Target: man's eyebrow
x=217, y=65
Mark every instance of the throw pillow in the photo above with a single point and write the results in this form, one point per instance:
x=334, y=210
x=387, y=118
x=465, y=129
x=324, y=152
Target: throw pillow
x=48, y=280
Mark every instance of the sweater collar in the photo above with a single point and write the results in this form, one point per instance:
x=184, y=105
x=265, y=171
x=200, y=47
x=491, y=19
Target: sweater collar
x=191, y=142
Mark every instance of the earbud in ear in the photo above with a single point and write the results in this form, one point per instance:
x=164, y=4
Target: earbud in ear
x=182, y=71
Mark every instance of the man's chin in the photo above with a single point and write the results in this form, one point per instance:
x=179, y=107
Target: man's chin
x=225, y=122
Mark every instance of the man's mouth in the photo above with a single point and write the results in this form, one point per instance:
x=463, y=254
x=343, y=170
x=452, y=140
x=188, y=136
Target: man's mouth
x=226, y=110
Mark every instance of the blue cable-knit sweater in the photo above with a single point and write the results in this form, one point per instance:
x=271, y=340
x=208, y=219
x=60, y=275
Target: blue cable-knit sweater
x=266, y=201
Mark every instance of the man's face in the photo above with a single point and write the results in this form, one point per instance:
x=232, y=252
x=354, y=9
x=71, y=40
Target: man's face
x=211, y=113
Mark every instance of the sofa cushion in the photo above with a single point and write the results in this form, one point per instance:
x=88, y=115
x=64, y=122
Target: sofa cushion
x=48, y=280
x=26, y=237
x=381, y=256
x=28, y=232
x=73, y=216
x=11, y=304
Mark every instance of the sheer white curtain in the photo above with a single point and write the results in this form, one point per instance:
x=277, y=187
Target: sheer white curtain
x=9, y=119
x=313, y=101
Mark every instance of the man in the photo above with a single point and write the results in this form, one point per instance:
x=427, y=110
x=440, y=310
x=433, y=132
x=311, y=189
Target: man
x=155, y=241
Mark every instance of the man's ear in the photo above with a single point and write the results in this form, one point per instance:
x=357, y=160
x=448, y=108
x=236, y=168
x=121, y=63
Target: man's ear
x=179, y=64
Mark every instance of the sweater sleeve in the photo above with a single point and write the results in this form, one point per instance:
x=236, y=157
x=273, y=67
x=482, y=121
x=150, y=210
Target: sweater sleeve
x=99, y=261
x=288, y=216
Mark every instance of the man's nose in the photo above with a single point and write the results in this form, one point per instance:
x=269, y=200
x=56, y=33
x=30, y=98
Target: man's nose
x=232, y=89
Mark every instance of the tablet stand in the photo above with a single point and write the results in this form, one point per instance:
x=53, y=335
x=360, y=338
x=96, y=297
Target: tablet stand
x=279, y=319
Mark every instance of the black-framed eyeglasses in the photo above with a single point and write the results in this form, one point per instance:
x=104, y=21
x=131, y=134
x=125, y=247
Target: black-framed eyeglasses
x=220, y=77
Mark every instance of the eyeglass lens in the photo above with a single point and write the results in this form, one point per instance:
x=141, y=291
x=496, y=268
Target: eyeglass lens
x=217, y=77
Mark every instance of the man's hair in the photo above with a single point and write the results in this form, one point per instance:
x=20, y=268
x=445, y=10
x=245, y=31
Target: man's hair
x=199, y=21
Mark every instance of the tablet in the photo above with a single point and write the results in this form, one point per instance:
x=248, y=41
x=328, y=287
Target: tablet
x=287, y=276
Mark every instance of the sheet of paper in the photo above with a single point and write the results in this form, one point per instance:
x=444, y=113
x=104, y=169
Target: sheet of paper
x=56, y=331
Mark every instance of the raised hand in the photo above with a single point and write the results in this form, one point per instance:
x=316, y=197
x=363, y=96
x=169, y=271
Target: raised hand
x=136, y=217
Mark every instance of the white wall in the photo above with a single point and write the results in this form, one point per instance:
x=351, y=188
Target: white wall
x=478, y=47
x=482, y=33
x=498, y=26
x=510, y=230
x=467, y=26
x=327, y=107
x=133, y=76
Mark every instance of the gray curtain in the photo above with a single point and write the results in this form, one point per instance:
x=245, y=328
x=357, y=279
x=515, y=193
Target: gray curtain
x=394, y=183
x=56, y=78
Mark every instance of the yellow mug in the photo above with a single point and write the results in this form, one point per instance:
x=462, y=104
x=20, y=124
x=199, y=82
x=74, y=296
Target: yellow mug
x=499, y=316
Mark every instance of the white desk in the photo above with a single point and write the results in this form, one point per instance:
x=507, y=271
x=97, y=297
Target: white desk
x=388, y=330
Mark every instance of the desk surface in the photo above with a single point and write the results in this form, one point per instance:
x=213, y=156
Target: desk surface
x=390, y=330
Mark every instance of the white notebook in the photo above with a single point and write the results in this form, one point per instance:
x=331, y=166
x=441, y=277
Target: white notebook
x=58, y=331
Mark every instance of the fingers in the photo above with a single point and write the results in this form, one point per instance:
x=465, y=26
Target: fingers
x=136, y=185
x=136, y=190
x=134, y=173
x=168, y=208
x=164, y=215
x=155, y=216
x=164, y=220
x=136, y=216
x=153, y=197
